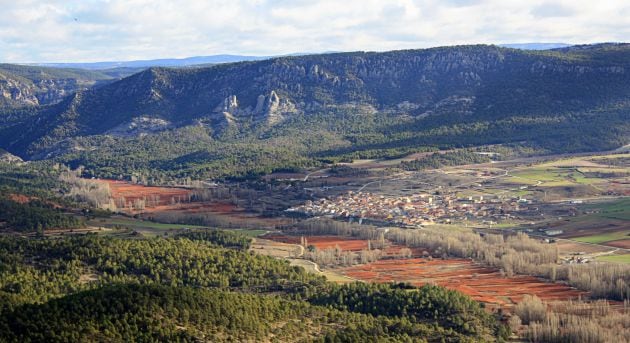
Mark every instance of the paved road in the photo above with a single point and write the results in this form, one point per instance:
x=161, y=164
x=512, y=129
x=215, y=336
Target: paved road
x=315, y=172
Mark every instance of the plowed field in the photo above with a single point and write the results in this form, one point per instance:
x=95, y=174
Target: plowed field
x=344, y=243
x=154, y=196
x=481, y=283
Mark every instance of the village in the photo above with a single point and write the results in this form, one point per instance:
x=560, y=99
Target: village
x=418, y=209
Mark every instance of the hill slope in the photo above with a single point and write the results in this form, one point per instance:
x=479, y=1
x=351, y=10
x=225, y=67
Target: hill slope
x=32, y=86
x=452, y=96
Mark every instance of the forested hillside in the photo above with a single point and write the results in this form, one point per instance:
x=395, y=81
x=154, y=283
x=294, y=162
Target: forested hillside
x=193, y=288
x=294, y=112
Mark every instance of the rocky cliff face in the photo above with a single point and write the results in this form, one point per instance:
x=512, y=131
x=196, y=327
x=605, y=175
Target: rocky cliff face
x=18, y=92
x=34, y=86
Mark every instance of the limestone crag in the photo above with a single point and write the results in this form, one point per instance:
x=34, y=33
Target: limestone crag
x=269, y=108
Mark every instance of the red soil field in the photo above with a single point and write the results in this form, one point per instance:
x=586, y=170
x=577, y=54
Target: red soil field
x=481, y=283
x=155, y=196
x=622, y=243
x=173, y=199
x=20, y=198
x=23, y=199
x=345, y=243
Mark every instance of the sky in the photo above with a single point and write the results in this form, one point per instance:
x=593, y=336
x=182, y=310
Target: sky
x=118, y=30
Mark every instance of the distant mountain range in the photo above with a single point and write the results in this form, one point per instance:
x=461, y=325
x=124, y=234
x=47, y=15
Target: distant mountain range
x=535, y=46
x=227, y=58
x=166, y=62
x=296, y=110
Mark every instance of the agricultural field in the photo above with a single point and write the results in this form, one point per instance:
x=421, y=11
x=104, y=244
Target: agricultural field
x=614, y=210
x=338, y=242
x=119, y=224
x=625, y=258
x=605, y=238
x=144, y=227
x=125, y=194
x=482, y=284
x=322, y=242
x=604, y=223
x=292, y=252
x=172, y=204
x=268, y=247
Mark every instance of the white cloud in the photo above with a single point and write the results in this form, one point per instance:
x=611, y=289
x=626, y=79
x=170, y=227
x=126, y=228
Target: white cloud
x=97, y=30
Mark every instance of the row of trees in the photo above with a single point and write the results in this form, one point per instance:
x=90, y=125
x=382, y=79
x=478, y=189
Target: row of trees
x=338, y=257
x=572, y=321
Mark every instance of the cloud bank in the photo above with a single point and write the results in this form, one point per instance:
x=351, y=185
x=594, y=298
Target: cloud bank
x=101, y=30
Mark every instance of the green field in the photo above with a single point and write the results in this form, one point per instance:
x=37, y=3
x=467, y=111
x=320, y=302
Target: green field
x=607, y=237
x=138, y=224
x=619, y=209
x=149, y=227
x=615, y=258
x=551, y=177
x=249, y=232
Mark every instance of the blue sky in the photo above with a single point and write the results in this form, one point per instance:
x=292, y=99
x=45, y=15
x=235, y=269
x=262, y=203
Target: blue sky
x=105, y=30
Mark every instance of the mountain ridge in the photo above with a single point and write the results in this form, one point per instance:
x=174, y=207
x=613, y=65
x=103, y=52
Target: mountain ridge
x=453, y=86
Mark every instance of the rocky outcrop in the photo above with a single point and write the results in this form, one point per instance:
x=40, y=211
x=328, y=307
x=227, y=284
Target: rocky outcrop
x=7, y=157
x=269, y=108
x=22, y=85
x=15, y=92
x=140, y=126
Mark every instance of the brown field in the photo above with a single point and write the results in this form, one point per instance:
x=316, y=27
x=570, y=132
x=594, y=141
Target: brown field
x=155, y=196
x=567, y=247
x=622, y=243
x=589, y=226
x=177, y=200
x=481, y=283
x=234, y=216
x=344, y=243
x=322, y=242
x=276, y=249
x=20, y=198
